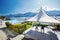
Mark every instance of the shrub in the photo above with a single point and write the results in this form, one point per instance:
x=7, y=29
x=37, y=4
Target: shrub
x=28, y=26
x=12, y=27
x=9, y=25
x=8, y=19
x=43, y=25
x=35, y=23
x=16, y=30
x=58, y=27
x=28, y=23
x=3, y=17
x=18, y=25
x=19, y=28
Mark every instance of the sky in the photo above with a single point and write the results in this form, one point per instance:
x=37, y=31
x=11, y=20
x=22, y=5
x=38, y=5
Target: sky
x=22, y=6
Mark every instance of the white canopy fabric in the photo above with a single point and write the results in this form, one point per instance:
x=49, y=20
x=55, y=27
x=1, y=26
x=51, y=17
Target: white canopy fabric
x=33, y=19
x=46, y=18
x=43, y=17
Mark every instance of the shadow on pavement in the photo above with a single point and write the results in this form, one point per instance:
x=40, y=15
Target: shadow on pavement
x=39, y=36
x=53, y=36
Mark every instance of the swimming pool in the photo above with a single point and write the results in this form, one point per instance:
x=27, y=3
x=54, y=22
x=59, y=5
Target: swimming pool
x=15, y=21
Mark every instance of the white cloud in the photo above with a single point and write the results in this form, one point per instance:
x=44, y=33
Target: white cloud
x=50, y=8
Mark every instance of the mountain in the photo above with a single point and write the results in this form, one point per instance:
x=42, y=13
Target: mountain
x=28, y=14
x=53, y=13
x=31, y=14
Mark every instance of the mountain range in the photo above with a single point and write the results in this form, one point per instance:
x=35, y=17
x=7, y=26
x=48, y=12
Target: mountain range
x=28, y=14
x=31, y=14
x=53, y=13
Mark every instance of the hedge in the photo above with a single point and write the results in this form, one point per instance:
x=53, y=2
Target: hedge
x=19, y=28
x=57, y=26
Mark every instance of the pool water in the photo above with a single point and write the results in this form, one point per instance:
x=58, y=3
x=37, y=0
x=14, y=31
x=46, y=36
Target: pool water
x=15, y=21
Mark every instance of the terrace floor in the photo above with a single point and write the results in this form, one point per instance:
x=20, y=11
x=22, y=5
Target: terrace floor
x=33, y=34
x=48, y=34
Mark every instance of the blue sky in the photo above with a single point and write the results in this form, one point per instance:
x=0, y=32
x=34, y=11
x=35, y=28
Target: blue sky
x=21, y=6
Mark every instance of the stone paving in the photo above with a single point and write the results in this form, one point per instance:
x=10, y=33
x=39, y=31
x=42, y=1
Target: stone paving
x=48, y=34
